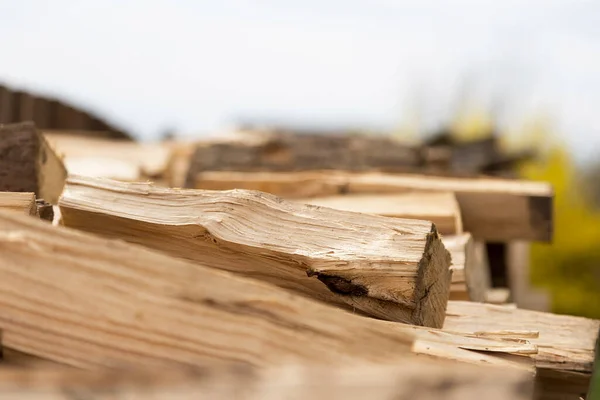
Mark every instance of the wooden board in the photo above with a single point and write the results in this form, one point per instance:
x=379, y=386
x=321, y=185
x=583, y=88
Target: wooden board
x=470, y=276
x=419, y=379
x=492, y=209
x=21, y=202
x=28, y=164
x=441, y=208
x=389, y=268
x=90, y=302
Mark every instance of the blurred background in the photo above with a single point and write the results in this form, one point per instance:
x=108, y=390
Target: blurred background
x=526, y=72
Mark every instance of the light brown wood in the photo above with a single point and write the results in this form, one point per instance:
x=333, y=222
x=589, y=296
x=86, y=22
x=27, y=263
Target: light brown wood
x=389, y=268
x=564, y=342
x=28, y=163
x=441, y=208
x=418, y=379
x=124, y=160
x=91, y=302
x=492, y=209
x=21, y=202
x=470, y=277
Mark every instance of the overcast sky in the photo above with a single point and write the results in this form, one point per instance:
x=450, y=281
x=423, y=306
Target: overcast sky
x=198, y=65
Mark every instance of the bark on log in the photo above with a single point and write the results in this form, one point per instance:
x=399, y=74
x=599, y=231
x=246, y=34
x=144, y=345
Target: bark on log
x=28, y=164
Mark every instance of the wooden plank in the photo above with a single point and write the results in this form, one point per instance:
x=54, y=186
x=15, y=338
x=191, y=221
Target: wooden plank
x=390, y=268
x=21, y=202
x=441, y=208
x=492, y=209
x=28, y=164
x=90, y=302
x=470, y=277
x=287, y=382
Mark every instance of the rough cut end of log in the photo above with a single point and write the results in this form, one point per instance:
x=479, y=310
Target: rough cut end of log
x=28, y=164
x=441, y=208
x=388, y=268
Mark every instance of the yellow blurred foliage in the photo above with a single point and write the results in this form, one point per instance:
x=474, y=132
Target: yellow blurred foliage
x=569, y=267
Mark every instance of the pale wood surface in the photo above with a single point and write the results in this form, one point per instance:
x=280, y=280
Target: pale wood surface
x=109, y=158
x=21, y=202
x=470, y=276
x=441, y=208
x=564, y=342
x=492, y=209
x=90, y=302
x=28, y=164
x=418, y=379
x=395, y=269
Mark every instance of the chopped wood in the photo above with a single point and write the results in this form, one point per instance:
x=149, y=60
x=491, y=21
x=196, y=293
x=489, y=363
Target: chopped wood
x=564, y=342
x=292, y=152
x=125, y=160
x=565, y=357
x=492, y=209
x=390, y=268
x=405, y=381
x=28, y=164
x=470, y=276
x=21, y=202
x=91, y=302
x=441, y=208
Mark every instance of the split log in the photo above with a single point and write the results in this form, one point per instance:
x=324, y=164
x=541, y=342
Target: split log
x=28, y=164
x=470, y=277
x=492, y=209
x=415, y=380
x=292, y=152
x=388, y=268
x=85, y=153
x=565, y=343
x=21, y=202
x=440, y=208
x=91, y=302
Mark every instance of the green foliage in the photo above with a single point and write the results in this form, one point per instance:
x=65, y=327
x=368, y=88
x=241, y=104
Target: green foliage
x=569, y=267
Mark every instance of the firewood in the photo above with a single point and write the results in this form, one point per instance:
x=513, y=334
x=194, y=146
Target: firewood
x=388, y=268
x=418, y=379
x=28, y=164
x=492, y=209
x=21, y=202
x=565, y=343
x=291, y=152
x=92, y=302
x=470, y=276
x=440, y=208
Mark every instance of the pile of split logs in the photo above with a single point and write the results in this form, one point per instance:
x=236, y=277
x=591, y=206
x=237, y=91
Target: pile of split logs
x=337, y=275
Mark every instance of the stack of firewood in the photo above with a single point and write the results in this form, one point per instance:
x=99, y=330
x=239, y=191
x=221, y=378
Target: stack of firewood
x=331, y=278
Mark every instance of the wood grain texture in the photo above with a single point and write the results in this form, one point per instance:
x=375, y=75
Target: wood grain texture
x=21, y=202
x=389, y=268
x=492, y=209
x=470, y=276
x=28, y=164
x=90, y=302
x=564, y=342
x=419, y=379
x=441, y=208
